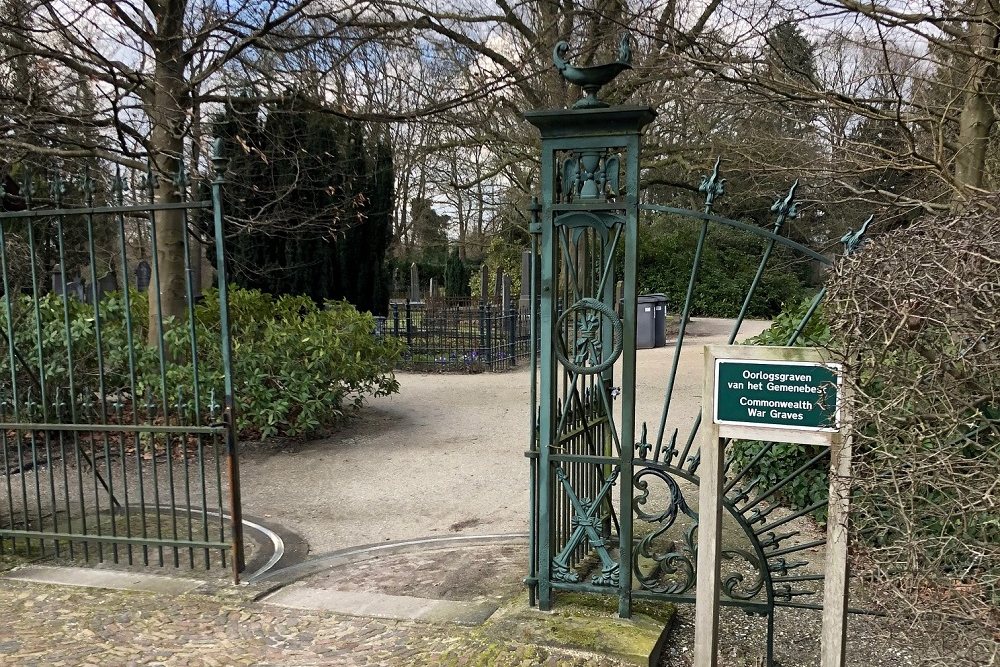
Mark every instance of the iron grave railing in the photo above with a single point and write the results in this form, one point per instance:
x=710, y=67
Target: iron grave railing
x=464, y=336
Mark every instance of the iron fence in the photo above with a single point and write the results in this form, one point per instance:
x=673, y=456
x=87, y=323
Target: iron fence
x=117, y=440
x=464, y=337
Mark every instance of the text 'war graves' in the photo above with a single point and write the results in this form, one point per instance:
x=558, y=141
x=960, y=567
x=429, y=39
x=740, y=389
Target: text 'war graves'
x=777, y=394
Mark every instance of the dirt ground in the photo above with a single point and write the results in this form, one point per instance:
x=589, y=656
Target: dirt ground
x=445, y=455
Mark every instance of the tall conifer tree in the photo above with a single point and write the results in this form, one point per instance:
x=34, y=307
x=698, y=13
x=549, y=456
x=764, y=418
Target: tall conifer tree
x=311, y=204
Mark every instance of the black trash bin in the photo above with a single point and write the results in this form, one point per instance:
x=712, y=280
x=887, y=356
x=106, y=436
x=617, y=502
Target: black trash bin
x=660, y=311
x=645, y=322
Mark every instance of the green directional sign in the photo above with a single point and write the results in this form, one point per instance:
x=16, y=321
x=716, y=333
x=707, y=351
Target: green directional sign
x=777, y=394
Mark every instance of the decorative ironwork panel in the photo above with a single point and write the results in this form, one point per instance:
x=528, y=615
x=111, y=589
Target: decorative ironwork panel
x=582, y=457
x=586, y=227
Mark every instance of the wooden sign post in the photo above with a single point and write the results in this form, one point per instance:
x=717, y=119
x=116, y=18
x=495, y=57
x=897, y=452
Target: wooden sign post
x=774, y=394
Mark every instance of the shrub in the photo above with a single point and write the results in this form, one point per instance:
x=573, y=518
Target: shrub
x=913, y=318
x=729, y=261
x=815, y=333
x=917, y=308
x=296, y=366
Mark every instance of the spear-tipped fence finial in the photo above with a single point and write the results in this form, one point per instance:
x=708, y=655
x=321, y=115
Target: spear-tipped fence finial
x=219, y=160
x=88, y=186
x=712, y=186
x=181, y=180
x=57, y=188
x=853, y=240
x=149, y=180
x=118, y=187
x=786, y=207
x=27, y=186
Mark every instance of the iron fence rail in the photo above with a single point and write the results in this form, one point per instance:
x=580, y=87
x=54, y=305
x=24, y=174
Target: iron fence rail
x=469, y=338
x=115, y=492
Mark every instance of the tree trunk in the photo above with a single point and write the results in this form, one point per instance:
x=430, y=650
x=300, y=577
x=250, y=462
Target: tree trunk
x=977, y=118
x=200, y=188
x=166, y=145
x=975, y=124
x=460, y=213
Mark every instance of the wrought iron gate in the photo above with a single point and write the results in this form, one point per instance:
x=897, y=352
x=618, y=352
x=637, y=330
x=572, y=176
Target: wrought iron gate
x=116, y=444
x=584, y=456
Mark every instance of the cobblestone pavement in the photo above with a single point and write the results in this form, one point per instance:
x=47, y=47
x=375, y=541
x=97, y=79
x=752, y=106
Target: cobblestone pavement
x=472, y=573
x=55, y=625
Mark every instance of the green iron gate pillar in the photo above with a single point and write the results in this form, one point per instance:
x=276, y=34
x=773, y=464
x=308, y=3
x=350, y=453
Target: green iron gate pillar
x=588, y=216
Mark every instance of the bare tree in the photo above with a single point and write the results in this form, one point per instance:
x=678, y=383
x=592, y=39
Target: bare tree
x=159, y=66
x=929, y=75
x=891, y=108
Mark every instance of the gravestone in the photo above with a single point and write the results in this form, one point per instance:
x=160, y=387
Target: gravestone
x=432, y=290
x=58, y=283
x=524, y=302
x=497, y=285
x=77, y=289
x=107, y=283
x=525, y=272
x=484, y=284
x=414, y=295
x=143, y=274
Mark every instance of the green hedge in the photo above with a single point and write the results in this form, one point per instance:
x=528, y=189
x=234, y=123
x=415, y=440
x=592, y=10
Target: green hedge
x=729, y=261
x=297, y=367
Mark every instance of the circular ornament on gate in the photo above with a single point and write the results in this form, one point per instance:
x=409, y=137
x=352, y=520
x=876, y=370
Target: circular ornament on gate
x=588, y=353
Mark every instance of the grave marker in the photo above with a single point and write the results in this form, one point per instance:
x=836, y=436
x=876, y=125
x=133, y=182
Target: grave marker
x=143, y=274
x=484, y=284
x=524, y=302
x=506, y=294
x=497, y=285
x=414, y=283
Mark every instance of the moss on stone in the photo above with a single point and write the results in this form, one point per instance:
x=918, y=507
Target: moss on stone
x=606, y=605
x=584, y=622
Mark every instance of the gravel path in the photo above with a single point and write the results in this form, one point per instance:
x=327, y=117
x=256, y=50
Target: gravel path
x=445, y=455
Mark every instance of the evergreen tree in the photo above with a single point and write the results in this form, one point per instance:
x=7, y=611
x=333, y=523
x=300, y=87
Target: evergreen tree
x=356, y=272
x=457, y=274
x=47, y=118
x=380, y=225
x=309, y=200
x=429, y=231
x=790, y=60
